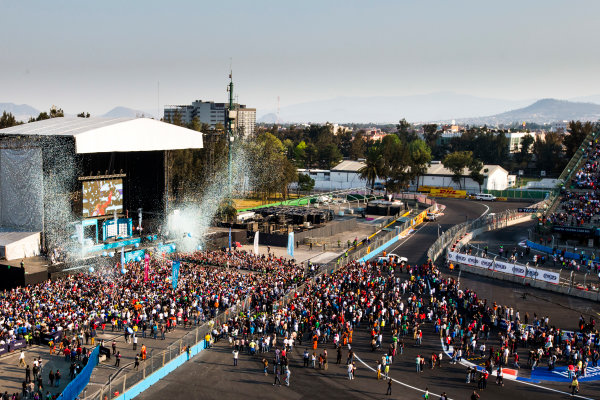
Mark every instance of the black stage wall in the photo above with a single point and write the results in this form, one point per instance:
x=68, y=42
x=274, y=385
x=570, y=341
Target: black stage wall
x=144, y=184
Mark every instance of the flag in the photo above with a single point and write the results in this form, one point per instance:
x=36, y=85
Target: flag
x=116, y=224
x=290, y=247
x=175, y=274
x=256, y=243
x=123, y=257
x=146, y=266
x=229, y=238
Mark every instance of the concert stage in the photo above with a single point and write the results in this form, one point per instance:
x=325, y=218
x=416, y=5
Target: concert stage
x=81, y=183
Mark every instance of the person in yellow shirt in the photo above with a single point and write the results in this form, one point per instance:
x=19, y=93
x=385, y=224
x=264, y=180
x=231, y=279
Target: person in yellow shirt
x=207, y=341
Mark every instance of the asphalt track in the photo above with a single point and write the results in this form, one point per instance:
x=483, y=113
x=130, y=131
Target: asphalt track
x=211, y=375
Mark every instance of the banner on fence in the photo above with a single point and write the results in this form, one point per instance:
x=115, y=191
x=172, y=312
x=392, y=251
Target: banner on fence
x=505, y=267
x=447, y=192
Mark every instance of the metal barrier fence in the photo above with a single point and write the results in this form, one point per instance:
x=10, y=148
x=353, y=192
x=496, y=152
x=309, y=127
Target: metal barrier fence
x=454, y=234
x=157, y=360
x=78, y=384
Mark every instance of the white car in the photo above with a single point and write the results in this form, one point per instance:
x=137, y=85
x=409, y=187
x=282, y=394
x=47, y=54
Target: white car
x=485, y=197
x=390, y=257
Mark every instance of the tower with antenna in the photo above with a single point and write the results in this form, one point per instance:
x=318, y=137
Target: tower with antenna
x=231, y=117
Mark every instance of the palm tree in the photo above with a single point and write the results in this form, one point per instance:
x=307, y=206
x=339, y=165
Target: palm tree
x=373, y=168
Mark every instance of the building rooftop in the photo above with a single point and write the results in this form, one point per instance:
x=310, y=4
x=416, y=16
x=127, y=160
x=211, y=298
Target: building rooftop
x=349, y=166
x=100, y=135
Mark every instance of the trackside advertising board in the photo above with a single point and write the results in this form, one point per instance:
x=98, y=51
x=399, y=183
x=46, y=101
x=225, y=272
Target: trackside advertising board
x=505, y=267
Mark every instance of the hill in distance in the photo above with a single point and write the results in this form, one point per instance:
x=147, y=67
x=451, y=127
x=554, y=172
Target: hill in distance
x=541, y=112
x=124, y=112
x=22, y=112
x=390, y=109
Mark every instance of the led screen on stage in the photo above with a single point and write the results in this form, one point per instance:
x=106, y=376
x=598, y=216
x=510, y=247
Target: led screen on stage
x=102, y=197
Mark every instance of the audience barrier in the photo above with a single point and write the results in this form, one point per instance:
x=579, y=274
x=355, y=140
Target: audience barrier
x=76, y=386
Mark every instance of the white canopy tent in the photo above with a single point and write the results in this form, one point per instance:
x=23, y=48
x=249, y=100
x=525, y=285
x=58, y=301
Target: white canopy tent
x=101, y=135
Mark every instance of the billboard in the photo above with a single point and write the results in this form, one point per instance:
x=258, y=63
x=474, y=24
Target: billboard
x=102, y=197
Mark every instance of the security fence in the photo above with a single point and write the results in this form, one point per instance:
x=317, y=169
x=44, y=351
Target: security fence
x=120, y=384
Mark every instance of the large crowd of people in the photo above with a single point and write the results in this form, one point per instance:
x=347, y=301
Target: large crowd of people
x=580, y=202
x=390, y=301
x=122, y=300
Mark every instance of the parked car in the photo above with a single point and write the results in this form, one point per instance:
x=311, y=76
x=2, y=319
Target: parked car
x=485, y=197
x=378, y=186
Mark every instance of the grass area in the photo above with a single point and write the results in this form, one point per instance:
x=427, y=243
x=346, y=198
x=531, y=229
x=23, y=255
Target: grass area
x=242, y=204
x=522, y=182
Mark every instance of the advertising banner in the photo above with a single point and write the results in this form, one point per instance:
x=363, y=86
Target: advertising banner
x=505, y=267
x=447, y=192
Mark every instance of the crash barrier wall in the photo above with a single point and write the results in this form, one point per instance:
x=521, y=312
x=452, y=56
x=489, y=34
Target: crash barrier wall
x=549, y=250
x=539, y=284
x=505, y=267
x=78, y=383
x=475, y=227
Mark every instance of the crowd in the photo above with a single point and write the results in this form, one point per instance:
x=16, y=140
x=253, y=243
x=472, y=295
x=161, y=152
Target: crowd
x=580, y=205
x=122, y=300
x=240, y=259
x=393, y=309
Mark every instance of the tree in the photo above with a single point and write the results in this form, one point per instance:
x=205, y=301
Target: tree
x=300, y=153
x=270, y=169
x=54, y=113
x=420, y=157
x=405, y=131
x=227, y=210
x=457, y=162
x=548, y=152
x=373, y=166
x=523, y=156
x=431, y=135
x=576, y=133
x=7, y=120
x=396, y=163
x=475, y=172
x=305, y=183
x=329, y=156
x=83, y=114
x=311, y=155
x=358, y=148
x=289, y=175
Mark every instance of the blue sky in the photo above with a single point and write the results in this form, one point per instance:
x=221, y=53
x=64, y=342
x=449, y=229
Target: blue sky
x=92, y=56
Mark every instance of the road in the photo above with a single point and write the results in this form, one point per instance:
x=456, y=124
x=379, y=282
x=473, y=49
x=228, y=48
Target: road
x=211, y=375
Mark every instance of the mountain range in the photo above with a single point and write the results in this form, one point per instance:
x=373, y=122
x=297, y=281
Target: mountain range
x=541, y=112
x=438, y=107
x=441, y=107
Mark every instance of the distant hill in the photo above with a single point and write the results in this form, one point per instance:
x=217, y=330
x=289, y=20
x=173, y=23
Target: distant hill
x=444, y=106
x=124, y=112
x=270, y=118
x=541, y=112
x=22, y=112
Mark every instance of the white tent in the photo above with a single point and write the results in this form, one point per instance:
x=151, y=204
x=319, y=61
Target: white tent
x=101, y=135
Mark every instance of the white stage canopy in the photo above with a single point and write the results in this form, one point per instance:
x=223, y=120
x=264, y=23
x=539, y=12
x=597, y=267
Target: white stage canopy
x=102, y=135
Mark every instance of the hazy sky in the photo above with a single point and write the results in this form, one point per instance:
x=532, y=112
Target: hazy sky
x=94, y=55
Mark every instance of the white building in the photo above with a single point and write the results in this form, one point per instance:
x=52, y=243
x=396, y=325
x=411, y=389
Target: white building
x=515, y=140
x=496, y=178
x=343, y=176
x=211, y=113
